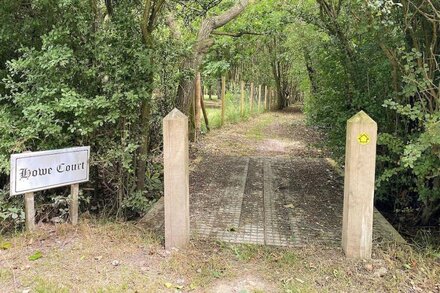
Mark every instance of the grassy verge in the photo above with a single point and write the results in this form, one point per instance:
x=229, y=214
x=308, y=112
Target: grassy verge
x=117, y=257
x=232, y=111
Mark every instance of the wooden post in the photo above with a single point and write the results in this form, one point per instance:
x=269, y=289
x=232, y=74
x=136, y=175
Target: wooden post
x=176, y=179
x=259, y=97
x=270, y=98
x=29, y=211
x=242, y=98
x=198, y=96
x=251, y=98
x=223, y=100
x=360, y=163
x=205, y=115
x=265, y=97
x=74, y=204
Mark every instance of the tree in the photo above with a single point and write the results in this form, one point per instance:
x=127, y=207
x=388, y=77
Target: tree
x=199, y=49
x=150, y=15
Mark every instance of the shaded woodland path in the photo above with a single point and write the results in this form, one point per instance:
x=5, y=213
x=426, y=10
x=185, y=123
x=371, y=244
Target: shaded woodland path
x=266, y=181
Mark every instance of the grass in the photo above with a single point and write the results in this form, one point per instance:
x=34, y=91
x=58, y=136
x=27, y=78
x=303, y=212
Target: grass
x=257, y=131
x=44, y=286
x=232, y=111
x=5, y=274
x=80, y=259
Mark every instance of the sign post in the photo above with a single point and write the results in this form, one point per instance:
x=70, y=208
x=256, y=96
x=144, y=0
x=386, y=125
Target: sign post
x=176, y=179
x=360, y=162
x=74, y=204
x=35, y=171
x=29, y=211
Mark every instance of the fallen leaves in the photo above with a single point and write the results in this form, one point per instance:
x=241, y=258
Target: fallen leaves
x=5, y=245
x=35, y=256
x=171, y=285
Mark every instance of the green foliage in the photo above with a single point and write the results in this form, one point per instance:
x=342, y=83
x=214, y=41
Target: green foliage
x=72, y=75
x=396, y=85
x=11, y=211
x=81, y=83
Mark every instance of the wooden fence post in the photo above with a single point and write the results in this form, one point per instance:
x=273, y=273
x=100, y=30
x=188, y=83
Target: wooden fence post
x=74, y=204
x=259, y=98
x=176, y=179
x=242, y=98
x=270, y=98
x=251, y=98
x=29, y=211
x=198, y=96
x=223, y=94
x=265, y=97
x=360, y=163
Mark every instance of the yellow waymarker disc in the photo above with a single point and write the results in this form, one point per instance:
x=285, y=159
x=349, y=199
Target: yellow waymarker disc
x=363, y=138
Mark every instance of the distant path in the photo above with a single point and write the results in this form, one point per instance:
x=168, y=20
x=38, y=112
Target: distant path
x=265, y=181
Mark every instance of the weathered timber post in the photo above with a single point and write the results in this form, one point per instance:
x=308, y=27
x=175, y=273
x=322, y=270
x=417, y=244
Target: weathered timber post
x=198, y=97
x=273, y=98
x=259, y=98
x=223, y=94
x=29, y=211
x=360, y=163
x=74, y=204
x=205, y=115
x=251, y=98
x=270, y=98
x=242, y=98
x=265, y=97
x=176, y=179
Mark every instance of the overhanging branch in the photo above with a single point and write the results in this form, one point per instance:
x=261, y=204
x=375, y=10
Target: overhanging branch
x=237, y=34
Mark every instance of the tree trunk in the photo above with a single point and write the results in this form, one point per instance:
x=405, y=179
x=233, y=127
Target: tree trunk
x=148, y=24
x=310, y=71
x=219, y=88
x=203, y=43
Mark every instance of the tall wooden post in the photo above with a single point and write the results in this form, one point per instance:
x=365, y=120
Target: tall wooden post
x=360, y=163
x=74, y=204
x=259, y=98
x=198, y=96
x=205, y=115
x=176, y=179
x=223, y=94
x=251, y=98
x=242, y=98
x=270, y=98
x=29, y=211
x=265, y=97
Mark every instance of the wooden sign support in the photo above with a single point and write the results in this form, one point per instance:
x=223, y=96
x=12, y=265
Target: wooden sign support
x=74, y=204
x=176, y=179
x=360, y=162
x=29, y=211
x=29, y=208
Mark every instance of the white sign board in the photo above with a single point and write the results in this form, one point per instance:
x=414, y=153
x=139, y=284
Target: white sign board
x=35, y=171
